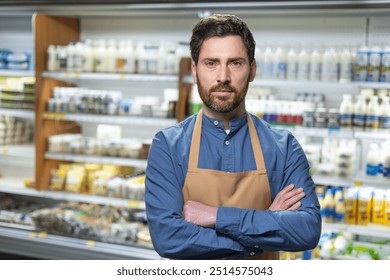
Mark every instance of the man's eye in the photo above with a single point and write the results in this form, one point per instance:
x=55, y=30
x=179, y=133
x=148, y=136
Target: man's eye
x=210, y=63
x=236, y=63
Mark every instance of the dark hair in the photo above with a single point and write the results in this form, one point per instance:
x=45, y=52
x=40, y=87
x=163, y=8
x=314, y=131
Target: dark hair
x=221, y=26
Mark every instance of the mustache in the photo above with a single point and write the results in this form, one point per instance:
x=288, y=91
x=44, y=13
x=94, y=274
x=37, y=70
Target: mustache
x=224, y=87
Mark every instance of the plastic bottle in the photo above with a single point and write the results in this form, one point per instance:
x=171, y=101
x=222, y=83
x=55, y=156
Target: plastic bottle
x=374, y=63
x=373, y=113
x=112, y=55
x=100, y=56
x=78, y=56
x=292, y=65
x=280, y=64
x=364, y=206
x=130, y=57
x=378, y=206
x=63, y=58
x=373, y=160
x=303, y=65
x=386, y=218
x=329, y=206
x=385, y=113
x=360, y=112
x=88, y=58
x=361, y=64
x=71, y=57
x=268, y=63
x=121, y=58
x=385, y=66
x=330, y=65
x=345, y=65
x=386, y=159
x=51, y=58
x=340, y=210
x=195, y=100
x=315, y=65
x=351, y=204
x=346, y=111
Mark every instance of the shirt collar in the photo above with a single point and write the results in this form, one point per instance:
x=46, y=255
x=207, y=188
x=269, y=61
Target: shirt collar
x=235, y=124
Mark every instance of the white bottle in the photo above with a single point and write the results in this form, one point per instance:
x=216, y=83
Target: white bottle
x=88, y=58
x=361, y=64
x=345, y=65
x=112, y=55
x=315, y=65
x=303, y=65
x=78, y=57
x=330, y=65
x=385, y=66
x=182, y=50
x=346, y=110
x=51, y=58
x=292, y=65
x=279, y=65
x=385, y=113
x=259, y=55
x=71, y=57
x=374, y=63
x=373, y=113
x=268, y=63
x=62, y=57
x=360, y=112
x=373, y=160
x=100, y=56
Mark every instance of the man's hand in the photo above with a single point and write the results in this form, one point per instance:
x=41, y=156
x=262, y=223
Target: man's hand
x=199, y=214
x=288, y=199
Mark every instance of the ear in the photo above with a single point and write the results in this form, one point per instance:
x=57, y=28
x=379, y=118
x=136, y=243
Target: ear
x=193, y=70
x=252, y=73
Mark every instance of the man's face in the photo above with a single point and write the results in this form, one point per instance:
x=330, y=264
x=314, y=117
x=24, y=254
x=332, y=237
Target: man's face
x=223, y=73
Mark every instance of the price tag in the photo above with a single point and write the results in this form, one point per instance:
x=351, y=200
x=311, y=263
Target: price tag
x=91, y=243
x=134, y=204
x=122, y=77
x=67, y=75
x=5, y=150
x=32, y=235
x=42, y=234
x=77, y=75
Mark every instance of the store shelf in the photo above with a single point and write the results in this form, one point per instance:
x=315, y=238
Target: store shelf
x=139, y=163
x=369, y=181
x=65, y=76
x=25, y=151
x=118, y=120
x=16, y=186
x=371, y=230
x=18, y=113
x=16, y=73
x=47, y=246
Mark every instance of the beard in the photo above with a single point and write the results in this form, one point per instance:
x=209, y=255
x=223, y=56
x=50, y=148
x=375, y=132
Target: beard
x=222, y=104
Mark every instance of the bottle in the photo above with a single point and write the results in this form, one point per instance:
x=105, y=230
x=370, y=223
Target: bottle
x=112, y=56
x=385, y=113
x=386, y=160
x=351, y=204
x=386, y=218
x=100, y=64
x=378, y=206
x=374, y=63
x=195, y=100
x=88, y=58
x=364, y=206
x=51, y=58
x=330, y=64
x=292, y=65
x=78, y=56
x=373, y=160
x=315, y=65
x=361, y=64
x=63, y=58
x=373, y=113
x=329, y=206
x=345, y=65
x=360, y=112
x=268, y=63
x=346, y=111
x=340, y=210
x=303, y=65
x=71, y=57
x=385, y=66
x=279, y=65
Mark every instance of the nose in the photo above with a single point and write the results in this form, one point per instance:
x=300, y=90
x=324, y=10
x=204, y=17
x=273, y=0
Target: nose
x=224, y=74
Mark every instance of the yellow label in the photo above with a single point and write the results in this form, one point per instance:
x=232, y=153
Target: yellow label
x=67, y=75
x=134, y=204
x=350, y=211
x=32, y=234
x=91, y=243
x=5, y=150
x=77, y=75
x=378, y=211
x=364, y=212
x=42, y=234
x=122, y=77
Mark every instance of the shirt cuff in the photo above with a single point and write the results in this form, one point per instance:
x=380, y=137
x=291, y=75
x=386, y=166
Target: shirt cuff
x=228, y=221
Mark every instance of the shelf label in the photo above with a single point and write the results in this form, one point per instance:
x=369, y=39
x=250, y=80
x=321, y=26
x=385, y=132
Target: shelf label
x=134, y=204
x=42, y=234
x=122, y=77
x=5, y=150
x=32, y=234
x=91, y=243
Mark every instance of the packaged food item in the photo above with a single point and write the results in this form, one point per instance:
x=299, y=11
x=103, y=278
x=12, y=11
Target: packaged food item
x=378, y=206
x=364, y=206
x=386, y=217
x=351, y=205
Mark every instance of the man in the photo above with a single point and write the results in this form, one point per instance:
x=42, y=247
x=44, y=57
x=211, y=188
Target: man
x=221, y=184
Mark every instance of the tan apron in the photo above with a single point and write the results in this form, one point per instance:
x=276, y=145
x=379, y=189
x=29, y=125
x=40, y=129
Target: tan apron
x=248, y=189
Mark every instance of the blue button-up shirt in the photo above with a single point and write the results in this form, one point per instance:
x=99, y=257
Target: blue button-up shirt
x=238, y=232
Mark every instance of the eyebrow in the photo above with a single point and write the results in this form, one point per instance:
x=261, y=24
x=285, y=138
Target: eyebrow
x=229, y=60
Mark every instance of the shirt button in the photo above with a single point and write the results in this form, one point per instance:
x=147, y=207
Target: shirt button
x=215, y=122
x=227, y=142
x=257, y=246
x=252, y=253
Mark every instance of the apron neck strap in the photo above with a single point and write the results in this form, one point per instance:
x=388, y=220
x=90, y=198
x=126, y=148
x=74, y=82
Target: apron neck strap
x=195, y=143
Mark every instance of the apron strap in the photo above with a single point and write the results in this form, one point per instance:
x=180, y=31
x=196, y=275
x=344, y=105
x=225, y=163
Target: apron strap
x=195, y=144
